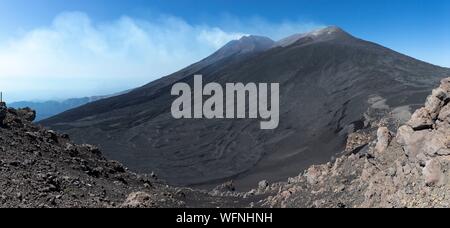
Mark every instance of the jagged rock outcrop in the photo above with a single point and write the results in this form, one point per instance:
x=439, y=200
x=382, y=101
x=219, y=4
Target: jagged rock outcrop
x=411, y=170
x=17, y=117
x=426, y=137
x=427, y=134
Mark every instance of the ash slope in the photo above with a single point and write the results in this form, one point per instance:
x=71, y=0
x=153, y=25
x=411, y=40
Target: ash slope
x=328, y=80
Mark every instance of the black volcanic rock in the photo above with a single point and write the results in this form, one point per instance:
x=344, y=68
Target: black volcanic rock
x=329, y=81
x=3, y=112
x=40, y=168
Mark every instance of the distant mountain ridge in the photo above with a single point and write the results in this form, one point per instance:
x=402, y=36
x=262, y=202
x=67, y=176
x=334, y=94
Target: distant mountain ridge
x=47, y=109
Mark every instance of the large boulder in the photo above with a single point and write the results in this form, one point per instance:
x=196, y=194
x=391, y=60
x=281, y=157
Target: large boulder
x=421, y=119
x=412, y=141
x=428, y=131
x=427, y=142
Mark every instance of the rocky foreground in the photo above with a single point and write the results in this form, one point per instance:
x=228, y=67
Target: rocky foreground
x=385, y=165
x=406, y=168
x=40, y=168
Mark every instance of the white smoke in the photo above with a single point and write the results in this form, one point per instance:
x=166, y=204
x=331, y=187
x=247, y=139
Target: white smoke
x=75, y=56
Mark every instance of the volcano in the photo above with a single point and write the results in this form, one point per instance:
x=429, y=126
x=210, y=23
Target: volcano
x=330, y=85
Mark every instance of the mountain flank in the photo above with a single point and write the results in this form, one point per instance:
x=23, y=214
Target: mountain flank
x=332, y=84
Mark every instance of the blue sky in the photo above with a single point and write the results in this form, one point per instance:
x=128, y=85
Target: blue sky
x=69, y=48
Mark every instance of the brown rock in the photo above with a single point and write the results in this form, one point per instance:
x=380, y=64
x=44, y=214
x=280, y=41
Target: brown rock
x=434, y=103
x=427, y=142
x=412, y=141
x=138, y=200
x=384, y=138
x=445, y=85
x=433, y=173
x=444, y=114
x=315, y=174
x=421, y=119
